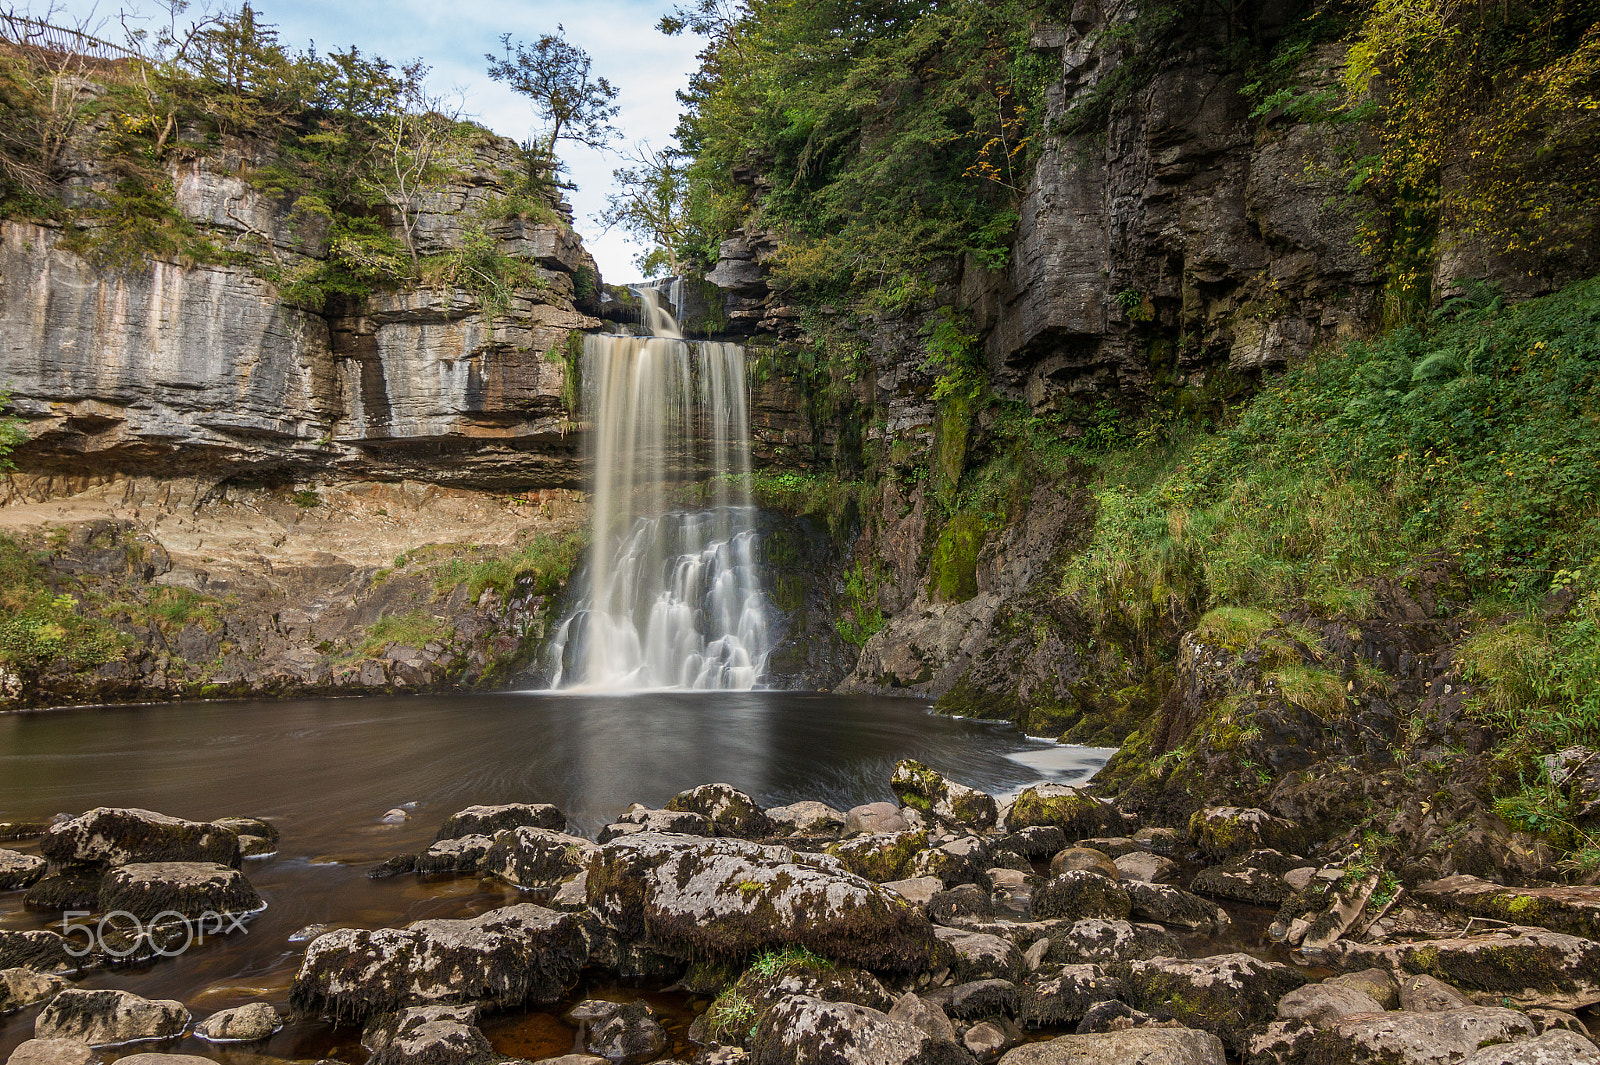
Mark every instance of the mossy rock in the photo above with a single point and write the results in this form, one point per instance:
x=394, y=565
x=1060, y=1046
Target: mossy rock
x=1078, y=894
x=1224, y=831
x=953, y=568
x=731, y=811
x=882, y=857
x=1076, y=813
x=925, y=789
x=1226, y=995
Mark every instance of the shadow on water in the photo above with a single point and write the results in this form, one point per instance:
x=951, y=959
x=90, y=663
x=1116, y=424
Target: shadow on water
x=325, y=770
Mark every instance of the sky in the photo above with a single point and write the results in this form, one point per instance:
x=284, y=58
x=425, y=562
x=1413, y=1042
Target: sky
x=452, y=36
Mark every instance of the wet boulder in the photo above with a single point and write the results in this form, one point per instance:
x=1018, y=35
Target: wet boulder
x=1223, y=832
x=492, y=820
x=1076, y=813
x=398, y=865
x=1321, y=1004
x=110, y=836
x=1073, y=859
x=987, y=1040
x=1416, y=1038
x=956, y=861
x=73, y=888
x=976, y=956
x=1175, y=907
x=806, y=818
x=257, y=838
x=1255, y=877
x=1132, y=1046
x=427, y=1035
x=1146, y=867
x=731, y=811
x=1038, y=841
x=458, y=854
x=1060, y=996
x=976, y=998
x=35, y=949
x=109, y=1018
x=242, y=1024
x=21, y=988
x=722, y=898
x=1095, y=940
x=53, y=1052
x=963, y=900
x=1529, y=967
x=1224, y=995
x=945, y=801
x=1012, y=891
x=624, y=1034
x=1078, y=894
x=1551, y=1048
x=802, y=1030
x=19, y=870
x=874, y=818
x=883, y=856
x=146, y=889
x=536, y=857
x=683, y=822
x=516, y=954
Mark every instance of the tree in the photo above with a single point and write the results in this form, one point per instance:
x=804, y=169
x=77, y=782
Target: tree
x=650, y=204
x=555, y=75
x=420, y=141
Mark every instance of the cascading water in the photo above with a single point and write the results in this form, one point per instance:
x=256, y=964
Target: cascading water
x=670, y=598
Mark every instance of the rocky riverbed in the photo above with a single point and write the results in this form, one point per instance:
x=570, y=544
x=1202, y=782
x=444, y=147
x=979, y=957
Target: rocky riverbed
x=945, y=927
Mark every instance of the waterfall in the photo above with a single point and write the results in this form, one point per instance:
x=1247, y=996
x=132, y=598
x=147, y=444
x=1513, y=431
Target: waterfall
x=669, y=597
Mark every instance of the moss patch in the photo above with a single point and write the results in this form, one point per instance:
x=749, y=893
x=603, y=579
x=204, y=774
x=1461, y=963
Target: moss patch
x=953, y=576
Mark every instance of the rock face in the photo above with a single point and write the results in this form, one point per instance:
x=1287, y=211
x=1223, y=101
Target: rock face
x=697, y=897
x=203, y=368
x=506, y=957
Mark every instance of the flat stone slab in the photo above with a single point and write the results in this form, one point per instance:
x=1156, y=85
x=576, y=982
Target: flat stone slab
x=1527, y=966
x=1573, y=910
x=119, y=836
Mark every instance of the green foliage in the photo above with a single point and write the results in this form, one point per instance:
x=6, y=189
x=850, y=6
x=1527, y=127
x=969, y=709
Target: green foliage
x=773, y=962
x=825, y=496
x=555, y=75
x=861, y=618
x=42, y=626
x=175, y=607
x=543, y=565
x=415, y=629
x=1473, y=437
x=893, y=133
x=953, y=569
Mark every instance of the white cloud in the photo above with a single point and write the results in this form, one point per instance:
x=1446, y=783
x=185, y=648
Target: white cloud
x=646, y=66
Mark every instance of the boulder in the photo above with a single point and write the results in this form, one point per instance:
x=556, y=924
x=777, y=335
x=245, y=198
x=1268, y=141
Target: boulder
x=874, y=818
x=947, y=802
x=1076, y=813
x=918, y=889
x=53, y=1052
x=1095, y=940
x=572, y=895
x=1420, y=993
x=21, y=988
x=491, y=820
x=516, y=954
x=1552, y=1048
x=1061, y=996
x=73, y=888
x=806, y=818
x=1378, y=984
x=1172, y=906
x=731, y=811
x=956, y=861
x=1160, y=840
x=683, y=822
x=976, y=956
x=801, y=1030
x=1526, y=966
x=457, y=854
x=146, y=889
x=882, y=856
x=1011, y=892
x=36, y=949
x=110, y=836
x=976, y=998
x=109, y=1018
x=1402, y=1038
x=1146, y=867
x=1133, y=1046
x=1073, y=859
x=624, y=1034
x=1114, y=1016
x=1242, y=882
x=739, y=1009
x=395, y=866
x=1321, y=1004
x=912, y=1009
x=242, y=1024
x=427, y=1035
x=1224, y=995
x=722, y=898
x=1080, y=894
x=1571, y=909
x=1225, y=831
x=537, y=857
x=1038, y=841
x=963, y=900
x=18, y=870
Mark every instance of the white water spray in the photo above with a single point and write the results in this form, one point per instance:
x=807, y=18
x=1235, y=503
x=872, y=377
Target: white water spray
x=670, y=597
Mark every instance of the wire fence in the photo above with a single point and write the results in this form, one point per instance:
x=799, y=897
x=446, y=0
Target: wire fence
x=32, y=33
